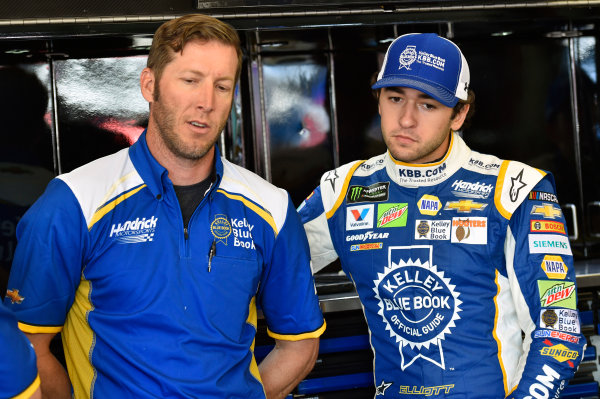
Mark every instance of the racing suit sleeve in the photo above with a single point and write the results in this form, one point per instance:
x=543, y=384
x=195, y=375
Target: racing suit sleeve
x=540, y=270
x=47, y=265
x=314, y=219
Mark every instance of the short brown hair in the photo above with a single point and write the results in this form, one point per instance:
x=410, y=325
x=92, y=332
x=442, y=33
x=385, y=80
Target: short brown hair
x=172, y=36
x=461, y=103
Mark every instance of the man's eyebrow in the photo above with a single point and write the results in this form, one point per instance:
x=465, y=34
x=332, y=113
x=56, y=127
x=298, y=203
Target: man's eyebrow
x=199, y=73
x=400, y=90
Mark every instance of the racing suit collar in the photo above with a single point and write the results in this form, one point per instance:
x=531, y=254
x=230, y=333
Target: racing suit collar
x=429, y=174
x=154, y=174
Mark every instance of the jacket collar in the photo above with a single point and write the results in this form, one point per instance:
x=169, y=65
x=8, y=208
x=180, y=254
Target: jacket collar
x=429, y=174
x=154, y=174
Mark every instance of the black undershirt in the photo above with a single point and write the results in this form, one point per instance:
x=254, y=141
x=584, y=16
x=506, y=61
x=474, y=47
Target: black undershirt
x=190, y=197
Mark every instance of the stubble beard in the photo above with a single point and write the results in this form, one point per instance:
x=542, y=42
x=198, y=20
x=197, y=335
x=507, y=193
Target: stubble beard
x=421, y=152
x=165, y=122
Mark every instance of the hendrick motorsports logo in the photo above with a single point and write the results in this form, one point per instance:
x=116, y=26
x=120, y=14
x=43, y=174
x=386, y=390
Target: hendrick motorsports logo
x=134, y=231
x=419, y=307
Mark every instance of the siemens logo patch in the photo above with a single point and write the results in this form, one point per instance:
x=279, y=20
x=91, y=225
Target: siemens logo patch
x=134, y=231
x=549, y=244
x=462, y=188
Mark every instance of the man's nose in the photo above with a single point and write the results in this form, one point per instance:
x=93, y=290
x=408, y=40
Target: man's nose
x=204, y=97
x=408, y=115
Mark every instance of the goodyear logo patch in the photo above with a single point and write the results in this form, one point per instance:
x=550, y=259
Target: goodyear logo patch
x=220, y=228
x=559, y=352
x=557, y=293
x=554, y=267
x=547, y=226
x=392, y=215
x=429, y=205
x=373, y=193
x=366, y=247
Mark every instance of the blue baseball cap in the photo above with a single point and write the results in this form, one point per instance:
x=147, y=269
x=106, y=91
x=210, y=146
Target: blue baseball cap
x=428, y=63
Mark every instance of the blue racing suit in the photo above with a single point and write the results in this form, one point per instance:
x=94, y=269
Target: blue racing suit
x=454, y=263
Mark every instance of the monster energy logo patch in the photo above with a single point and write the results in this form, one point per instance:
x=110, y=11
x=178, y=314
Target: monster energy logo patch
x=374, y=193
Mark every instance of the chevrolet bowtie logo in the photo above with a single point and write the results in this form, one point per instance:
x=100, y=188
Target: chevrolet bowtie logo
x=465, y=206
x=14, y=296
x=546, y=210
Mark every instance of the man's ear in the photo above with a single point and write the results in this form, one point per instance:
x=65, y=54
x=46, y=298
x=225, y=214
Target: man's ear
x=147, y=84
x=459, y=118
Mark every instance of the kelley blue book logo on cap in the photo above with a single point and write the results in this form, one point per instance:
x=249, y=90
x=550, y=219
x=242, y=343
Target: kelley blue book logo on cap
x=410, y=54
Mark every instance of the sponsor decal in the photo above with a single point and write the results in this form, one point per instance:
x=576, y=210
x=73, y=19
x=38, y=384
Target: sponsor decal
x=432, y=229
x=427, y=391
x=380, y=389
x=559, y=352
x=557, y=293
x=359, y=217
x=543, y=196
x=516, y=184
x=134, y=231
x=469, y=231
x=462, y=188
x=392, y=215
x=373, y=193
x=242, y=233
x=554, y=267
x=464, y=206
x=549, y=243
x=486, y=166
x=566, y=320
x=14, y=296
x=331, y=177
x=366, y=247
x=369, y=166
x=220, y=228
x=547, y=226
x=549, y=211
x=418, y=305
x=410, y=55
x=421, y=174
x=540, y=389
x=429, y=205
x=369, y=235
x=556, y=334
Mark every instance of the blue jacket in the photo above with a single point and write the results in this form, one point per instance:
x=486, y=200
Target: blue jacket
x=146, y=308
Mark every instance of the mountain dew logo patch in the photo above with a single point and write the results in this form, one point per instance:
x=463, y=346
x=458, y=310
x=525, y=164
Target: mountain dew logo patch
x=557, y=293
x=392, y=215
x=418, y=306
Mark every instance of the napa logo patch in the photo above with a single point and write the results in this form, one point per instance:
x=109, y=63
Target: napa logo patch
x=557, y=293
x=392, y=215
x=418, y=305
x=554, y=267
x=429, y=205
x=221, y=228
x=134, y=231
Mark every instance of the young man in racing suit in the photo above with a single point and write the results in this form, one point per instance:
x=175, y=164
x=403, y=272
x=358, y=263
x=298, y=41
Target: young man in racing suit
x=456, y=255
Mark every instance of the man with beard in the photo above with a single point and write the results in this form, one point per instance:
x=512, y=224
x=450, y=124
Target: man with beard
x=152, y=262
x=455, y=255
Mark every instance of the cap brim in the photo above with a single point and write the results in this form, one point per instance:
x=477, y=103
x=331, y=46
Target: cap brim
x=442, y=95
